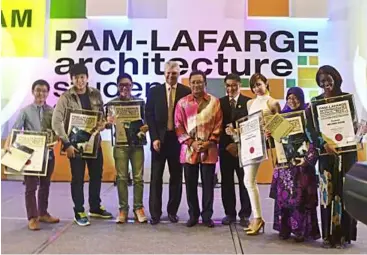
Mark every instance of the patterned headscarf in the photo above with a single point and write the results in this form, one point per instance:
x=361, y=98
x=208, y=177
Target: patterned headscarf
x=298, y=92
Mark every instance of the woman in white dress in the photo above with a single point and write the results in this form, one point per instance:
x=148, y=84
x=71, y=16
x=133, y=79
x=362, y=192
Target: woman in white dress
x=263, y=101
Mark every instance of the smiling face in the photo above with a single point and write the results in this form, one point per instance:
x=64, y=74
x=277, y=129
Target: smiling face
x=197, y=85
x=171, y=74
x=80, y=82
x=293, y=102
x=259, y=88
x=232, y=87
x=125, y=86
x=40, y=93
x=327, y=83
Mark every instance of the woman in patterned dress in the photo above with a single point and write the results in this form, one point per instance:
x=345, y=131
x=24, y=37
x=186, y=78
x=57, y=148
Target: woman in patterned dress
x=338, y=227
x=294, y=189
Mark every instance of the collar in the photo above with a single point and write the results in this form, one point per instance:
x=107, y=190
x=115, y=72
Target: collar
x=235, y=98
x=206, y=97
x=168, y=87
x=36, y=105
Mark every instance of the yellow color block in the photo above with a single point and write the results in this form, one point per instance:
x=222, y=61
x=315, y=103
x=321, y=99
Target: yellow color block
x=307, y=72
x=307, y=83
x=268, y=8
x=313, y=60
x=23, y=28
x=277, y=88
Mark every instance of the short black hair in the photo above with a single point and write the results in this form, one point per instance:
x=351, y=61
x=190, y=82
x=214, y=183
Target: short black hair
x=78, y=69
x=232, y=76
x=124, y=76
x=41, y=83
x=198, y=72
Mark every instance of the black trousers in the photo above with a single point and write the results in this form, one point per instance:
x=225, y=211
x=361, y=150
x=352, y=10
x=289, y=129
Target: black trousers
x=170, y=152
x=95, y=168
x=207, y=172
x=229, y=165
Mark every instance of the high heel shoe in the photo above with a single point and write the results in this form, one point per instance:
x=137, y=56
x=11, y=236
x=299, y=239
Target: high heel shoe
x=255, y=230
x=248, y=227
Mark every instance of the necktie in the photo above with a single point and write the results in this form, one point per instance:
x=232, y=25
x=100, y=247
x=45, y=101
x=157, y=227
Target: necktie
x=232, y=103
x=40, y=113
x=170, y=124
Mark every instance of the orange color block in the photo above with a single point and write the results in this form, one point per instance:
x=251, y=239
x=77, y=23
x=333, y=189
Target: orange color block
x=185, y=81
x=247, y=93
x=268, y=8
x=276, y=88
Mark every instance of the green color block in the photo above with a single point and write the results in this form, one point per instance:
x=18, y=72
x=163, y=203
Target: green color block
x=302, y=60
x=313, y=93
x=245, y=83
x=291, y=83
x=68, y=9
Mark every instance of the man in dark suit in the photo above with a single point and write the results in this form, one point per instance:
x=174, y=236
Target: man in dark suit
x=159, y=111
x=234, y=107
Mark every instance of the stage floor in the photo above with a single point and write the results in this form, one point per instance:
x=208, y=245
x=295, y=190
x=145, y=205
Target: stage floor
x=106, y=237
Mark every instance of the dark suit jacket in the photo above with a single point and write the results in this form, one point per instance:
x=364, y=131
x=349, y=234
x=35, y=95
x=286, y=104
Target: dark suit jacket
x=240, y=111
x=156, y=109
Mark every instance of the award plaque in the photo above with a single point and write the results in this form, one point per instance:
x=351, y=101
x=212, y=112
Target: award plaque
x=335, y=118
x=128, y=120
x=81, y=126
x=252, y=142
x=295, y=144
x=36, y=143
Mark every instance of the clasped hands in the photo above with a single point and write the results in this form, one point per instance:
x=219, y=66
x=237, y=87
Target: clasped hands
x=200, y=146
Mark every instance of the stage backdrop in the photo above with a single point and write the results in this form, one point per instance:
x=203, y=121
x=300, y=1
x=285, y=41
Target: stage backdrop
x=286, y=40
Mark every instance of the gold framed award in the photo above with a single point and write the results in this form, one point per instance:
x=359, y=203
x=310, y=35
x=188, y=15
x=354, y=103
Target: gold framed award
x=37, y=142
x=81, y=127
x=335, y=118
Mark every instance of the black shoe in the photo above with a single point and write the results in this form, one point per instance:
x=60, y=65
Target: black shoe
x=173, y=218
x=299, y=239
x=154, y=221
x=245, y=222
x=284, y=236
x=100, y=213
x=191, y=222
x=228, y=220
x=209, y=223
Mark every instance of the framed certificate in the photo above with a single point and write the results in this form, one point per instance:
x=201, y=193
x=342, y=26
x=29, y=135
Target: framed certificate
x=128, y=120
x=38, y=162
x=81, y=126
x=336, y=119
x=252, y=143
x=295, y=144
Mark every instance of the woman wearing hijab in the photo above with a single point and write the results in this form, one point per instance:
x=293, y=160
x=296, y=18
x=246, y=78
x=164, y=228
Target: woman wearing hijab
x=338, y=227
x=294, y=189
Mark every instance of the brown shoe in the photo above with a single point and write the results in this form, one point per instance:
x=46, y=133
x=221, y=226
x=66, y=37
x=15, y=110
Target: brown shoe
x=48, y=219
x=140, y=215
x=122, y=217
x=34, y=224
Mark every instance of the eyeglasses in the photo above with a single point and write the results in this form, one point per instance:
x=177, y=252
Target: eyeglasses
x=125, y=84
x=44, y=91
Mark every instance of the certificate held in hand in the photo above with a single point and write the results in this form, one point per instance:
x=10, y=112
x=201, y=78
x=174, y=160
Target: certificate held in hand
x=17, y=156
